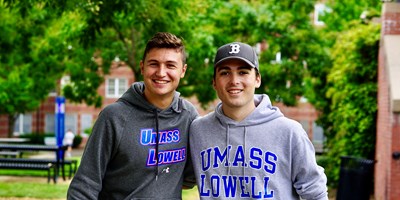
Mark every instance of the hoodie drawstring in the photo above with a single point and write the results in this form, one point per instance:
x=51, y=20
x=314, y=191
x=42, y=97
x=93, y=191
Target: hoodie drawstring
x=227, y=146
x=156, y=154
x=244, y=150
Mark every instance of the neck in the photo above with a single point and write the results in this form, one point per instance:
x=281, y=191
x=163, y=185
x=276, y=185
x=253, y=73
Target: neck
x=238, y=114
x=161, y=102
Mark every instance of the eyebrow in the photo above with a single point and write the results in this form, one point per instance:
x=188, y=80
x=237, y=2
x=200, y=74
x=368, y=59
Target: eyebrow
x=228, y=68
x=157, y=61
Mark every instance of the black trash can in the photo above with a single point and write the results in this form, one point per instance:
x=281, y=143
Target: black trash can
x=355, y=179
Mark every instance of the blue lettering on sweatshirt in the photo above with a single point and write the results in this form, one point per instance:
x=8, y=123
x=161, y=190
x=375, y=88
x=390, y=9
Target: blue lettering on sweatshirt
x=255, y=158
x=148, y=136
x=233, y=186
x=236, y=185
x=166, y=157
x=229, y=183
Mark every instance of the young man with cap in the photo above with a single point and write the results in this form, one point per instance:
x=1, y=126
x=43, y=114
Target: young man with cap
x=246, y=148
x=138, y=146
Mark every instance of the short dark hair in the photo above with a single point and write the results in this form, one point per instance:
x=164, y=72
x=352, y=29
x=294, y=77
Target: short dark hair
x=165, y=40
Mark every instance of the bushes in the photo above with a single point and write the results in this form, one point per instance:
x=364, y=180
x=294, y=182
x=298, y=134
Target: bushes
x=352, y=92
x=36, y=138
x=77, y=141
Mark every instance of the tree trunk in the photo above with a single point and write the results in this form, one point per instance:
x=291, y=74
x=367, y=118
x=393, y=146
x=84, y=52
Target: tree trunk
x=11, y=123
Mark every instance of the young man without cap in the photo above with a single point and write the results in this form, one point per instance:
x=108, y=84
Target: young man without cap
x=246, y=148
x=138, y=146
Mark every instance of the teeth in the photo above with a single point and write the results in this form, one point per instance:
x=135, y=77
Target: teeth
x=159, y=81
x=235, y=91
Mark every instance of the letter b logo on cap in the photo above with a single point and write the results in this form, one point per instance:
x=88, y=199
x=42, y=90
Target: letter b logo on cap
x=235, y=48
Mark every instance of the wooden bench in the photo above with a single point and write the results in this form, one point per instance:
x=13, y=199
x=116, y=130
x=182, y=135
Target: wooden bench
x=72, y=164
x=33, y=166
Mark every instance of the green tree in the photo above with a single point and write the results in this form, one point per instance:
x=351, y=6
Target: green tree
x=31, y=60
x=345, y=91
x=353, y=91
x=118, y=30
x=282, y=26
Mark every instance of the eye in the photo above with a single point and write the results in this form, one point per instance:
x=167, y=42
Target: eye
x=223, y=73
x=171, y=66
x=243, y=72
x=153, y=64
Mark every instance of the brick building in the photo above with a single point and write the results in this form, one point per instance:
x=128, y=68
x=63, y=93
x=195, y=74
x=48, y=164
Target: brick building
x=78, y=117
x=387, y=168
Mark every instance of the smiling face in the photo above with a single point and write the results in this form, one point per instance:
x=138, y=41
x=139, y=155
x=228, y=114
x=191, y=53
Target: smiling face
x=235, y=82
x=162, y=70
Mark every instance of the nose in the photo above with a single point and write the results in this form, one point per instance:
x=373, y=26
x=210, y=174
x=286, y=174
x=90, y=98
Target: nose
x=161, y=71
x=235, y=79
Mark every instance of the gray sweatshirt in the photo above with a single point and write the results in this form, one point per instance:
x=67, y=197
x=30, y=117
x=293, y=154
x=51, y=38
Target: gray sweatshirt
x=119, y=161
x=265, y=156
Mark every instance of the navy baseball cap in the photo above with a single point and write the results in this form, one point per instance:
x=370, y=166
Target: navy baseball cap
x=237, y=50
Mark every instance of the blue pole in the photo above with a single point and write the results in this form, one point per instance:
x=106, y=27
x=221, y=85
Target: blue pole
x=60, y=123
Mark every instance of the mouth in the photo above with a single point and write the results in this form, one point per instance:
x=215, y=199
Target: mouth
x=234, y=91
x=160, y=81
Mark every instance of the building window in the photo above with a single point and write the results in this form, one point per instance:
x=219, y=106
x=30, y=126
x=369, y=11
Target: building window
x=115, y=87
x=23, y=124
x=49, y=124
x=86, y=122
x=318, y=138
x=71, y=122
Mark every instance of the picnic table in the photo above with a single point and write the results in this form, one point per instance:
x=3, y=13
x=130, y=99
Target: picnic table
x=58, y=150
x=12, y=154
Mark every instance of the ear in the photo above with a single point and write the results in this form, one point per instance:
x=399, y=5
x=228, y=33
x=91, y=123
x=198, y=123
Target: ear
x=213, y=84
x=258, y=81
x=141, y=67
x=183, y=70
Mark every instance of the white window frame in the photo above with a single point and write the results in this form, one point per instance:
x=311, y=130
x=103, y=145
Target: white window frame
x=117, y=87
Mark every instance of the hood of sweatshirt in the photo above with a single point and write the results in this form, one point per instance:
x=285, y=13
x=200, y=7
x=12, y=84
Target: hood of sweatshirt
x=135, y=97
x=263, y=113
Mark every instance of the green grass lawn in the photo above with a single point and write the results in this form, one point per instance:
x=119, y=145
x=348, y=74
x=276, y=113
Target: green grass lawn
x=33, y=184
x=54, y=191
x=33, y=190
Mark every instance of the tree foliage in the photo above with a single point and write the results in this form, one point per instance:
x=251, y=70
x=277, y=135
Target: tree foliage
x=346, y=91
x=118, y=30
x=31, y=61
x=353, y=91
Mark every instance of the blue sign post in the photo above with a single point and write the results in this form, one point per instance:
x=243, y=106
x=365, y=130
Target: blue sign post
x=60, y=122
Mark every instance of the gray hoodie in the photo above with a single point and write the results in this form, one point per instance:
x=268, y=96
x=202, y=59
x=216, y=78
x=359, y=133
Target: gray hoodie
x=265, y=156
x=119, y=160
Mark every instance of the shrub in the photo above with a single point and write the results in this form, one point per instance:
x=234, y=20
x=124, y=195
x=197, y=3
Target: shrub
x=77, y=141
x=36, y=138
